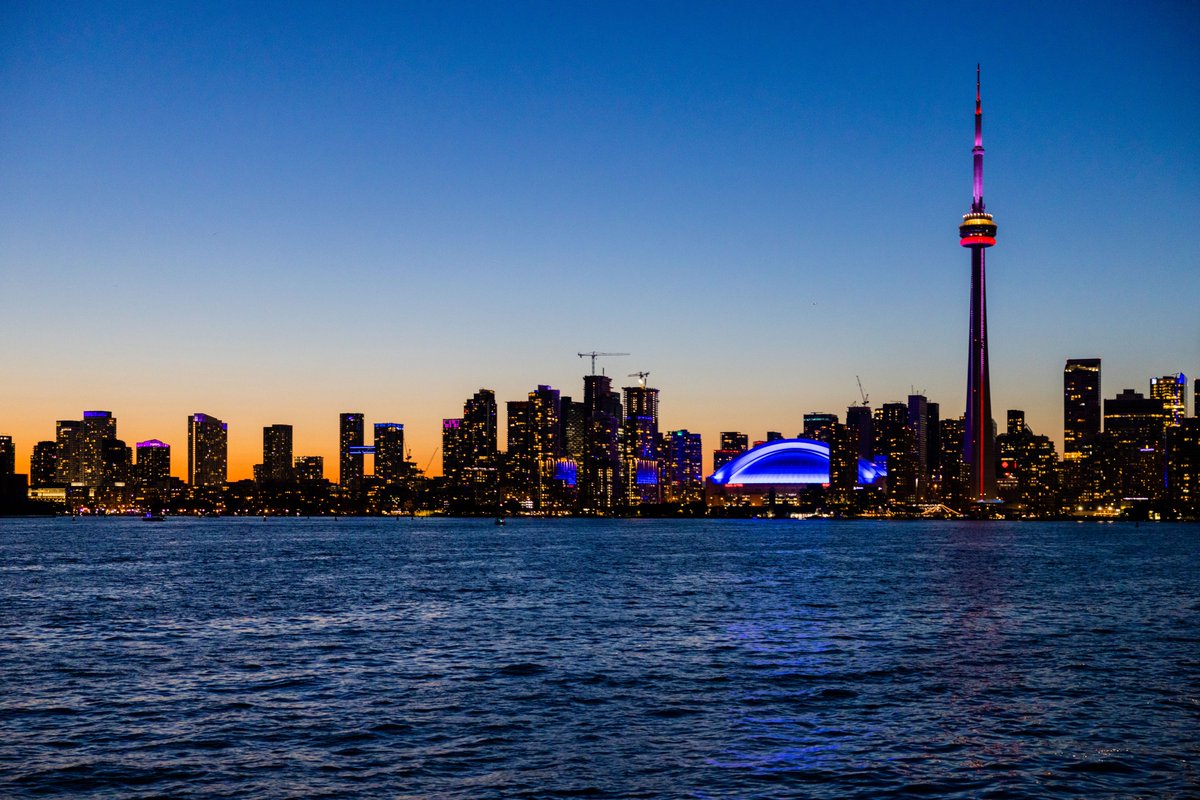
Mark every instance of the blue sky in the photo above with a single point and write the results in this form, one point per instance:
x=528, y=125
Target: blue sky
x=273, y=213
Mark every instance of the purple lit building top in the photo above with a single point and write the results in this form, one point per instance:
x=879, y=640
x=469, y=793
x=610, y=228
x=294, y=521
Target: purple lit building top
x=97, y=414
x=152, y=443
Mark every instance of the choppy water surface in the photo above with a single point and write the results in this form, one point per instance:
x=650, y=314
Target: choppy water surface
x=452, y=658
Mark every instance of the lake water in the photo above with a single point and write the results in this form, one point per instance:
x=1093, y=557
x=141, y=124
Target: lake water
x=593, y=658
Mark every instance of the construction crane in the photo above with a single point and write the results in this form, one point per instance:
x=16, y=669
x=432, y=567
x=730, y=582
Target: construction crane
x=594, y=355
x=861, y=392
x=641, y=376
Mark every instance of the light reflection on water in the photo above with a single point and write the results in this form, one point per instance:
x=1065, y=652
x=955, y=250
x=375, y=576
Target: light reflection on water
x=619, y=658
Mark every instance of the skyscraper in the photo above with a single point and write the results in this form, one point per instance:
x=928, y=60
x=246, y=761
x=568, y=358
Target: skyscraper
x=96, y=429
x=8, y=456
x=350, y=464
x=43, y=464
x=208, y=448
x=309, y=468
x=1081, y=406
x=391, y=466
x=978, y=232
x=641, y=444
x=683, y=453
x=277, y=453
x=600, y=484
x=454, y=450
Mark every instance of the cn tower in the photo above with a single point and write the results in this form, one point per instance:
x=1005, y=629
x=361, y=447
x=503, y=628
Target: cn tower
x=978, y=232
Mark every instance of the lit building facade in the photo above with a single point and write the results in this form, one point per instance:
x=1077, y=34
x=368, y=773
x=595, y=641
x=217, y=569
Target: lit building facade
x=43, y=465
x=277, y=453
x=641, y=465
x=683, y=467
x=153, y=462
x=391, y=464
x=208, y=451
x=1172, y=391
x=1081, y=406
x=351, y=431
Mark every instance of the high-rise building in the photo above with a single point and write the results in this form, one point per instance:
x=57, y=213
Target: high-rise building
x=519, y=462
x=68, y=437
x=774, y=436
x=641, y=465
x=918, y=424
x=545, y=442
x=1028, y=468
x=116, y=461
x=860, y=419
x=894, y=441
x=1183, y=466
x=391, y=464
x=1133, y=454
x=1081, y=406
x=733, y=444
x=88, y=450
x=454, y=451
x=978, y=232
x=309, y=469
x=208, y=451
x=277, y=453
x=351, y=428
x=1172, y=391
x=8, y=456
x=43, y=465
x=683, y=456
x=153, y=462
x=480, y=451
x=600, y=484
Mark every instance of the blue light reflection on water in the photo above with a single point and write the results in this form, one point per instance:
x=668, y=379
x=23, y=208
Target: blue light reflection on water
x=629, y=658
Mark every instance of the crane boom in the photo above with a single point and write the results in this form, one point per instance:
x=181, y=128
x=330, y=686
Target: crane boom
x=860, y=391
x=641, y=376
x=594, y=355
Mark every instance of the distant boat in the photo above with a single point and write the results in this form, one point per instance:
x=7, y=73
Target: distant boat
x=500, y=521
x=152, y=517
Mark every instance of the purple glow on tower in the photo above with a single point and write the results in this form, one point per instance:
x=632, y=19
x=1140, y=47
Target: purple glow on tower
x=978, y=232
x=152, y=443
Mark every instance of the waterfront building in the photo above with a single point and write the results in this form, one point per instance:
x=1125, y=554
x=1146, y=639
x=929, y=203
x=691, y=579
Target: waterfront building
x=978, y=232
x=81, y=446
x=68, y=437
x=683, y=467
x=277, y=453
x=733, y=444
x=641, y=466
x=918, y=424
x=894, y=446
x=1172, y=391
x=454, y=451
x=351, y=432
x=8, y=456
x=391, y=462
x=860, y=418
x=1081, y=406
x=309, y=469
x=600, y=485
x=545, y=445
x=153, y=462
x=43, y=465
x=1132, y=465
x=1183, y=467
x=1027, y=474
x=208, y=451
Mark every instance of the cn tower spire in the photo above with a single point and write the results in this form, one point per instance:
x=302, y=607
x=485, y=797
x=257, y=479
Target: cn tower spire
x=978, y=232
x=977, y=201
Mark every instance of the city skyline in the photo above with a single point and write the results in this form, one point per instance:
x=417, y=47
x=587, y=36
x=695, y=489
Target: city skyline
x=404, y=220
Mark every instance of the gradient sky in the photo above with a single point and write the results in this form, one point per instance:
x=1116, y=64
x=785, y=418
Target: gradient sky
x=277, y=212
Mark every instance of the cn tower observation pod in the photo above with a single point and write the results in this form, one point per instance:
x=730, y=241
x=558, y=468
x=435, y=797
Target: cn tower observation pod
x=786, y=462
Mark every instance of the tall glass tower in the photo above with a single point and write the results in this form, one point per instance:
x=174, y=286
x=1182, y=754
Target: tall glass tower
x=978, y=232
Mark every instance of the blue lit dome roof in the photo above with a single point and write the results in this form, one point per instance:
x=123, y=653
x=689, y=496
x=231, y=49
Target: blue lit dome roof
x=786, y=461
